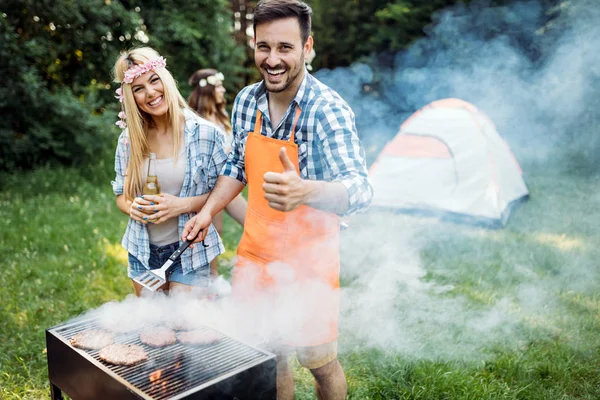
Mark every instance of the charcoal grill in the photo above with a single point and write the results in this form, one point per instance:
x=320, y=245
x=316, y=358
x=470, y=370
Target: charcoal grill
x=226, y=370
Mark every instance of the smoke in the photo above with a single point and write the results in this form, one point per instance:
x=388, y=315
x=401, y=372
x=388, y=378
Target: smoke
x=532, y=69
x=376, y=119
x=399, y=300
x=390, y=305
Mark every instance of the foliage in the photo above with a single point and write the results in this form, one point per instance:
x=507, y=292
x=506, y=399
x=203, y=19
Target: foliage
x=57, y=57
x=193, y=35
x=56, y=77
x=384, y=27
x=69, y=42
x=367, y=27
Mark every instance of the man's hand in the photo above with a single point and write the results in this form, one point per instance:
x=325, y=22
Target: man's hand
x=197, y=227
x=287, y=190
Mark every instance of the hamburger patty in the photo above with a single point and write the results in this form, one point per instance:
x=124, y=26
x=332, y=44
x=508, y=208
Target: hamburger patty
x=123, y=354
x=199, y=338
x=92, y=339
x=158, y=336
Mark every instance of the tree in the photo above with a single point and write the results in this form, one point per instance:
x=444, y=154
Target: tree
x=56, y=92
x=55, y=74
x=193, y=35
x=346, y=30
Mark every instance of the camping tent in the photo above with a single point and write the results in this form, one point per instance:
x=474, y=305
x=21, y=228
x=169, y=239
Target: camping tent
x=449, y=159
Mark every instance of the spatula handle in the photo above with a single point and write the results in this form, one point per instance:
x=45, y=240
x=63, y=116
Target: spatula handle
x=181, y=249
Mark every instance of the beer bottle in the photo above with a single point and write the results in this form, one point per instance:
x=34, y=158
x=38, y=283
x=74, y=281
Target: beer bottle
x=152, y=186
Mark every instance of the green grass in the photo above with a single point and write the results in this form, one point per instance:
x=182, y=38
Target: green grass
x=60, y=235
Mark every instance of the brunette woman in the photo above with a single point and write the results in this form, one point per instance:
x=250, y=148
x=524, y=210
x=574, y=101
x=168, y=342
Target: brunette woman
x=208, y=99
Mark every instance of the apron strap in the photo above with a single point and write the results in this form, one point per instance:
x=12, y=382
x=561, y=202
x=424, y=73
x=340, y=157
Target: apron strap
x=258, y=123
x=296, y=118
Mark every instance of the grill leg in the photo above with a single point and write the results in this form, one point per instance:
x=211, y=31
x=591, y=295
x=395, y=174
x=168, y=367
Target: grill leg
x=55, y=393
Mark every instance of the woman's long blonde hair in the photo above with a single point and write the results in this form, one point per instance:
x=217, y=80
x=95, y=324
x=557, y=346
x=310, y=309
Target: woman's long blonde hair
x=139, y=122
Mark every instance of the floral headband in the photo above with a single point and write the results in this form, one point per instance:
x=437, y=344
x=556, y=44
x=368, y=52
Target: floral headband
x=211, y=80
x=130, y=75
x=141, y=69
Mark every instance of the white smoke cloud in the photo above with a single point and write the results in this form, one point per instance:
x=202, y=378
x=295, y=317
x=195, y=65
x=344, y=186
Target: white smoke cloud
x=391, y=306
x=534, y=71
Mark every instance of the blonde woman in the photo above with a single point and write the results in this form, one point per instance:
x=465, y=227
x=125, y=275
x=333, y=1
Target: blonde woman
x=208, y=99
x=189, y=156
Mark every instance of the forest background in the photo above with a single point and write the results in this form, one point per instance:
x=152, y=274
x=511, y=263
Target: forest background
x=56, y=92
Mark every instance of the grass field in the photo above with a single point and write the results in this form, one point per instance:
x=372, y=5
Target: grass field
x=431, y=310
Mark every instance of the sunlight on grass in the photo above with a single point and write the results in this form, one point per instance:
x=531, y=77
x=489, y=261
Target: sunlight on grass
x=116, y=251
x=480, y=296
x=592, y=304
x=549, y=325
x=561, y=242
x=583, y=304
x=21, y=319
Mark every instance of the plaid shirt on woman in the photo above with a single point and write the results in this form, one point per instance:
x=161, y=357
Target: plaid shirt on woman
x=328, y=144
x=205, y=158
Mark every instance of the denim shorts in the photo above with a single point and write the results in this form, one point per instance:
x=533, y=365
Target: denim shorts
x=158, y=256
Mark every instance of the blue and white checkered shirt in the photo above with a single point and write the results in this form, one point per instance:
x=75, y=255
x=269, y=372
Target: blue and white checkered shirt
x=205, y=158
x=328, y=145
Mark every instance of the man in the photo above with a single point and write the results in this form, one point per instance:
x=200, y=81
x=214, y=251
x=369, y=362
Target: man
x=297, y=149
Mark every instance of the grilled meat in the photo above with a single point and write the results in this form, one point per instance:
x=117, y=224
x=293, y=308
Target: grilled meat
x=158, y=337
x=92, y=339
x=123, y=354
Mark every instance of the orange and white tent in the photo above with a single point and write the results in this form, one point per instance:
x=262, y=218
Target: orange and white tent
x=449, y=159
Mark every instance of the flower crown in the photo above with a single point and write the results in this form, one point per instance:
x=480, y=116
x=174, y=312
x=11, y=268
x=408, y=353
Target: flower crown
x=211, y=80
x=130, y=75
x=141, y=69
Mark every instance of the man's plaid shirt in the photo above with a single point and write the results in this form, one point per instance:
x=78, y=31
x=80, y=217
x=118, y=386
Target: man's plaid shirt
x=205, y=157
x=328, y=145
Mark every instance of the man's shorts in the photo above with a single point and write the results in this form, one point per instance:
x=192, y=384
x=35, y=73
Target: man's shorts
x=158, y=256
x=312, y=357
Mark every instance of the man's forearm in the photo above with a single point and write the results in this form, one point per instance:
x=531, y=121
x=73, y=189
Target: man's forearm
x=192, y=204
x=225, y=190
x=326, y=196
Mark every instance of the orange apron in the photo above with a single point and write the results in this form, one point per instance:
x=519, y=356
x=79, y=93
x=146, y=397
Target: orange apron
x=292, y=257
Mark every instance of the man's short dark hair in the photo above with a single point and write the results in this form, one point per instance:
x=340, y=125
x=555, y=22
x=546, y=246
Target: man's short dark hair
x=271, y=10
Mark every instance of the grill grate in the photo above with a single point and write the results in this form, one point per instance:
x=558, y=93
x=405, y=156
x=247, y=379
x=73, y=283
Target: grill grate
x=172, y=370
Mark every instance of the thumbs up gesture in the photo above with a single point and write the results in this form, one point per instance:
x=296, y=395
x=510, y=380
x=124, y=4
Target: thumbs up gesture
x=284, y=190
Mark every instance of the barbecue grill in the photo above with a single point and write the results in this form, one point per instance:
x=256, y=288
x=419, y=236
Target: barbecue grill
x=228, y=369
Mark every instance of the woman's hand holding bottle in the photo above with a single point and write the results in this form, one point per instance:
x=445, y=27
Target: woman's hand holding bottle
x=141, y=210
x=159, y=208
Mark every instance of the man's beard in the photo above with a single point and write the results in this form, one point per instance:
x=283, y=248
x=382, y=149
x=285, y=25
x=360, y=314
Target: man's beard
x=273, y=88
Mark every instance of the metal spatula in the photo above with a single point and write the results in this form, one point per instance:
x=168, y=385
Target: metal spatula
x=155, y=278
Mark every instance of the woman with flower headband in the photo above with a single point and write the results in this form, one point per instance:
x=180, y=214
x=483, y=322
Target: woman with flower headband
x=189, y=153
x=208, y=99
